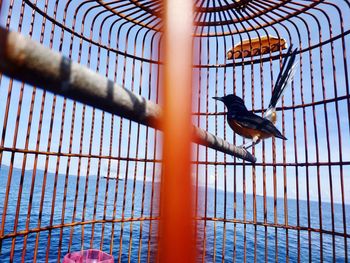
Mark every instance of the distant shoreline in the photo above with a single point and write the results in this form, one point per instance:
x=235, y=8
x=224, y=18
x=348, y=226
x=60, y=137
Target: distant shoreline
x=40, y=172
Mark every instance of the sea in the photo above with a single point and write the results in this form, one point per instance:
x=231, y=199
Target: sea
x=232, y=239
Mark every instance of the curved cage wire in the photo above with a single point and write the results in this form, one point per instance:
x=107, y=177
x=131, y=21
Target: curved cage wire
x=75, y=177
x=292, y=204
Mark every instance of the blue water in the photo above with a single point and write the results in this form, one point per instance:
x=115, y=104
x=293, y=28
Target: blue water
x=231, y=241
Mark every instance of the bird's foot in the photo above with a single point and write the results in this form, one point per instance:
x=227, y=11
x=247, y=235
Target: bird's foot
x=246, y=146
x=250, y=144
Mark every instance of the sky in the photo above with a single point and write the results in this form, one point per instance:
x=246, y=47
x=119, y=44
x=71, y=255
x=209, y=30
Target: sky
x=144, y=78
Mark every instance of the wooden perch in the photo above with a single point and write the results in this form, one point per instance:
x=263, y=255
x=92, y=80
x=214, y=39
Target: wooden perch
x=28, y=61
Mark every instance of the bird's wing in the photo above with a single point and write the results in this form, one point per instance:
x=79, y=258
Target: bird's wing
x=253, y=121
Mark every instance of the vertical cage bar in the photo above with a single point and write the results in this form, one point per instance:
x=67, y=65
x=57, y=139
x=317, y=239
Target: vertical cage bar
x=176, y=226
x=0, y=10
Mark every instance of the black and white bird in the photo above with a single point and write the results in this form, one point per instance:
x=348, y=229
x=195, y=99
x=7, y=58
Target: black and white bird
x=255, y=127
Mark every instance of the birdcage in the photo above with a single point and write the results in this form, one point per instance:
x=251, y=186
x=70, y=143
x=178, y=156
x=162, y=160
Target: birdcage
x=81, y=157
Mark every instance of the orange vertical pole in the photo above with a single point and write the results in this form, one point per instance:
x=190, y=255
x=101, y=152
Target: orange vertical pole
x=176, y=236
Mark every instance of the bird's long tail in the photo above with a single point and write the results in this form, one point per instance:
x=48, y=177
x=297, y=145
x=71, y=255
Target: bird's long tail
x=284, y=78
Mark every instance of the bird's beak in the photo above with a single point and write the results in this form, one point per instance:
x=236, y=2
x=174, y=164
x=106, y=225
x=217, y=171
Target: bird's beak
x=218, y=98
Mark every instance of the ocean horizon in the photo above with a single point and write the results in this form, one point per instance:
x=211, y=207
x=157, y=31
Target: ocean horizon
x=234, y=240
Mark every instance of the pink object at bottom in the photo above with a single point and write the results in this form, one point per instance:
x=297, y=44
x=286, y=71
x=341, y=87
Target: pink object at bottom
x=88, y=256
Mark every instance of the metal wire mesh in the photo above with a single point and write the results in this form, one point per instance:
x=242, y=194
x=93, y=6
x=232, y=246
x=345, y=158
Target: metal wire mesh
x=291, y=204
x=76, y=177
x=69, y=171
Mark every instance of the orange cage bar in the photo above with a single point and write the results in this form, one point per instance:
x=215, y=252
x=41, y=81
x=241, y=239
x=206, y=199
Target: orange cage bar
x=177, y=241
